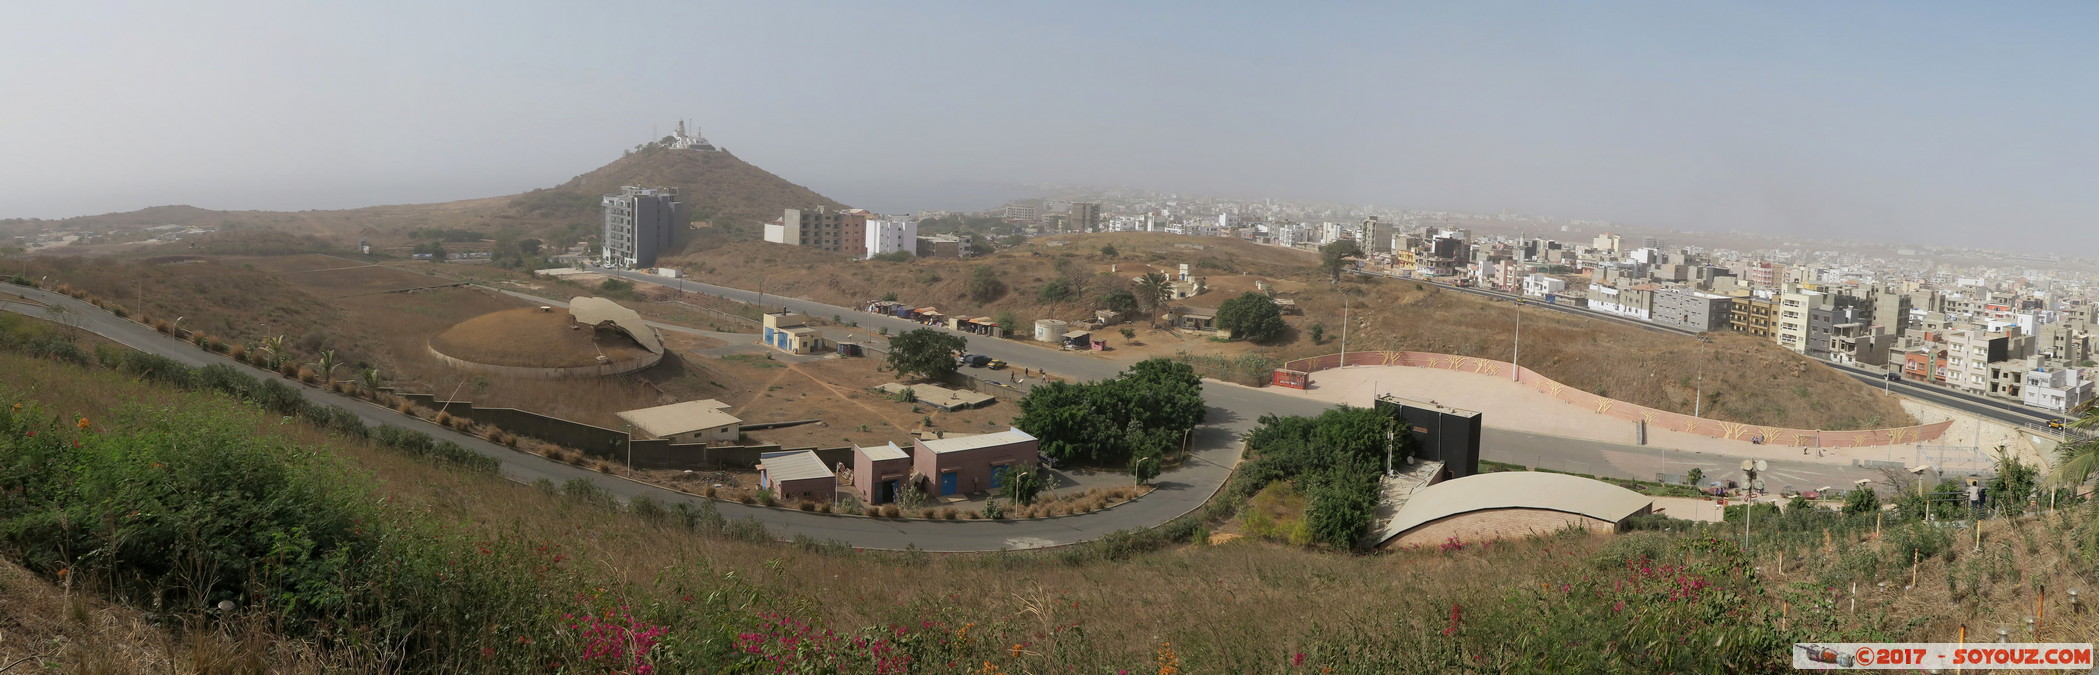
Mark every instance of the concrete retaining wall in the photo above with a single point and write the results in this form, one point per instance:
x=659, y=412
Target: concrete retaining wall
x=599, y=370
x=1734, y=431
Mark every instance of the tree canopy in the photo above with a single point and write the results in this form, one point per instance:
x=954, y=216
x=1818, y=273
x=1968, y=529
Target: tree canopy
x=1252, y=316
x=1120, y=300
x=925, y=352
x=984, y=284
x=1335, y=459
x=1144, y=412
x=1333, y=257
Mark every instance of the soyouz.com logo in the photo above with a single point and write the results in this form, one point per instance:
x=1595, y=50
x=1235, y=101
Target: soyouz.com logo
x=1942, y=655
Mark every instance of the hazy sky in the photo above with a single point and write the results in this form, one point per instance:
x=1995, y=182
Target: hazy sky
x=1954, y=123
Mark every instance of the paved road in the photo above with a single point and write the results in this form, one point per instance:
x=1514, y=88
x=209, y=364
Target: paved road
x=1500, y=445
x=1233, y=411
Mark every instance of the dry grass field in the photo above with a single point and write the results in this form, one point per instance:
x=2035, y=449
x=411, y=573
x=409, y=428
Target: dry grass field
x=1246, y=606
x=1744, y=379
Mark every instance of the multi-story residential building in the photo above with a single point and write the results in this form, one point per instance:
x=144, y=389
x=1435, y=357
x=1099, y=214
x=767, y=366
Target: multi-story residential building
x=1539, y=286
x=1891, y=311
x=639, y=223
x=1086, y=217
x=1691, y=310
x=2057, y=389
x=889, y=235
x=843, y=231
x=944, y=246
x=1609, y=243
x=1766, y=275
x=1446, y=253
x=1860, y=344
x=1635, y=301
x=1025, y=212
x=1971, y=353
x=1751, y=315
x=1797, y=321
x=1374, y=236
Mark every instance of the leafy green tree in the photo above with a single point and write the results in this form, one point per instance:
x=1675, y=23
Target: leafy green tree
x=1162, y=394
x=1252, y=316
x=889, y=297
x=984, y=284
x=1129, y=333
x=1109, y=250
x=2014, y=483
x=1144, y=469
x=1861, y=500
x=1333, y=257
x=1071, y=421
x=1695, y=476
x=1318, y=334
x=1008, y=322
x=530, y=246
x=1056, y=290
x=925, y=352
x=1343, y=503
x=1024, y=485
x=1120, y=301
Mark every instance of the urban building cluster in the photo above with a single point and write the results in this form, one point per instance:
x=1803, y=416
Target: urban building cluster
x=2012, y=328
x=861, y=234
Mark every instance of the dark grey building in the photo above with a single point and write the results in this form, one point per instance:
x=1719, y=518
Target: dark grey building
x=1085, y=217
x=639, y=224
x=1441, y=433
x=1691, y=310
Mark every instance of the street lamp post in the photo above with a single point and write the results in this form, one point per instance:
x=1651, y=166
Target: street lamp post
x=1518, y=352
x=1698, y=392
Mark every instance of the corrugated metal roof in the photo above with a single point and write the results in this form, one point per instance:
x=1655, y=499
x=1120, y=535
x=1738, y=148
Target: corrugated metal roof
x=1519, y=490
x=960, y=443
x=882, y=452
x=679, y=418
x=595, y=311
x=796, y=465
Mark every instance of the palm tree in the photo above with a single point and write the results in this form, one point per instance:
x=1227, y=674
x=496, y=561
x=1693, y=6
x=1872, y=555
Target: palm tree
x=1153, y=290
x=371, y=379
x=2079, y=459
x=274, y=346
x=327, y=365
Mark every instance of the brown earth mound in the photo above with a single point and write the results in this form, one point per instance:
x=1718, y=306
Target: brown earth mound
x=527, y=337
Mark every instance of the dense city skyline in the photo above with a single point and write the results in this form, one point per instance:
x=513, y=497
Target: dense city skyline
x=1930, y=125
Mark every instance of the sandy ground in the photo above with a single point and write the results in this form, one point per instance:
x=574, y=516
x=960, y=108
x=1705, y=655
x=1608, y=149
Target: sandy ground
x=1508, y=405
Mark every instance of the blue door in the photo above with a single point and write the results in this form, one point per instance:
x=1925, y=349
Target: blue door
x=948, y=482
x=998, y=476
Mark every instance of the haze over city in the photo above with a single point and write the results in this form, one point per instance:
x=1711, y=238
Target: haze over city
x=1896, y=122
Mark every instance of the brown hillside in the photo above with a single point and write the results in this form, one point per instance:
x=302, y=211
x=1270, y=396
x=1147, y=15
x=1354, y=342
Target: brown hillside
x=1745, y=379
x=716, y=187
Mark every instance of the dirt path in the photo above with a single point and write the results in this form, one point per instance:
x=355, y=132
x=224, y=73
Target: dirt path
x=835, y=391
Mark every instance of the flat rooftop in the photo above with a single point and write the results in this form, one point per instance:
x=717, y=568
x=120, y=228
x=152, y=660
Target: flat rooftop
x=882, y=452
x=664, y=421
x=796, y=465
x=979, y=441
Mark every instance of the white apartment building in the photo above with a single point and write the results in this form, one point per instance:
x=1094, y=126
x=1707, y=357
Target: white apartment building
x=1790, y=327
x=890, y=235
x=1539, y=285
x=2059, y=390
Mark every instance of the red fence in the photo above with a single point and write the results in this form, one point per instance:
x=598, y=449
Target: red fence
x=1662, y=419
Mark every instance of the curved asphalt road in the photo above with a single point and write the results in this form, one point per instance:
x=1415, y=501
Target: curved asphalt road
x=1234, y=410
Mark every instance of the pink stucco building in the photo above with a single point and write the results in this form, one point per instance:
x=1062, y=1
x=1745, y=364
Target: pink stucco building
x=971, y=464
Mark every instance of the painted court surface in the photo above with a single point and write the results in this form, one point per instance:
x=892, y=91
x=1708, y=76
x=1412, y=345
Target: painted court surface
x=1507, y=405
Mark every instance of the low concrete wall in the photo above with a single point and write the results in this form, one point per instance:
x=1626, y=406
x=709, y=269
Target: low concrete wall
x=610, y=444
x=1734, y=431
x=599, y=370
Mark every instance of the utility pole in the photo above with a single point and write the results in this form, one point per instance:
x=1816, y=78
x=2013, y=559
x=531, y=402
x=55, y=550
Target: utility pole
x=1698, y=392
x=1518, y=353
x=1344, y=332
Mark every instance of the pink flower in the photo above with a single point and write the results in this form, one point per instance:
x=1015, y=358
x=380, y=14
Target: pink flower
x=1298, y=660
